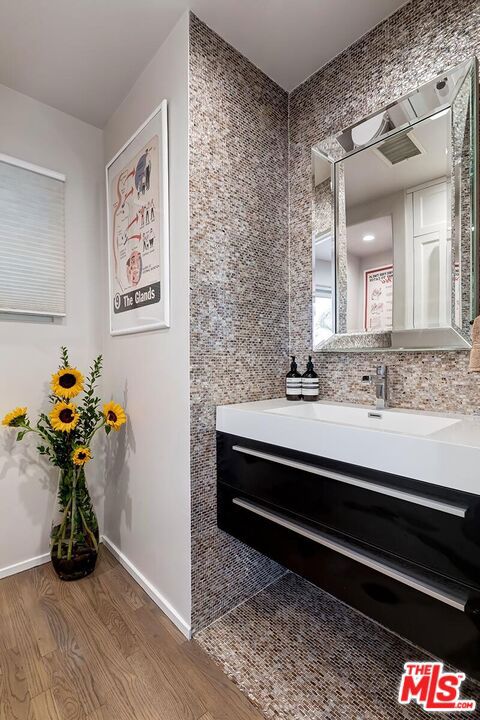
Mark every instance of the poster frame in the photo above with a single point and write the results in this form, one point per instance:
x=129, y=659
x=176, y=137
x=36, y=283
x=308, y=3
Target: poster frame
x=163, y=320
x=367, y=312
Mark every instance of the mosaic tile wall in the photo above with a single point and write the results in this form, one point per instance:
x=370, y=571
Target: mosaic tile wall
x=300, y=654
x=239, y=287
x=409, y=48
x=297, y=652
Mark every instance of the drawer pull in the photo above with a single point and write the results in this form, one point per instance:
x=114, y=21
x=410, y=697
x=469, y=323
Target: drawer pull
x=456, y=601
x=457, y=510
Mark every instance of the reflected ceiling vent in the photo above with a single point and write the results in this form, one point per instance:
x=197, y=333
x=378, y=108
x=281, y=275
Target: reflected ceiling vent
x=400, y=147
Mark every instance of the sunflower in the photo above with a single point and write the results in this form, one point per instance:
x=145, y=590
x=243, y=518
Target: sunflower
x=64, y=416
x=115, y=415
x=81, y=455
x=67, y=382
x=15, y=417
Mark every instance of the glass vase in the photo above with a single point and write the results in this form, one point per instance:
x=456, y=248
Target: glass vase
x=74, y=536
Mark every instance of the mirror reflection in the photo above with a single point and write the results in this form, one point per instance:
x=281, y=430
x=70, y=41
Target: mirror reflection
x=323, y=249
x=324, y=282
x=398, y=235
x=394, y=223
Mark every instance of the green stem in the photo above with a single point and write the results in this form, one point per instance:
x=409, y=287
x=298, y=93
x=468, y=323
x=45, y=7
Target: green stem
x=92, y=536
x=72, y=516
x=62, y=529
x=28, y=429
x=95, y=429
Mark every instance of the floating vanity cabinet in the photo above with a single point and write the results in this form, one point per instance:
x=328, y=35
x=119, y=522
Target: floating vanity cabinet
x=403, y=551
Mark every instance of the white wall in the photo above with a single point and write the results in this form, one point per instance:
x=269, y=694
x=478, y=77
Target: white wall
x=29, y=353
x=393, y=205
x=354, y=294
x=147, y=513
x=323, y=272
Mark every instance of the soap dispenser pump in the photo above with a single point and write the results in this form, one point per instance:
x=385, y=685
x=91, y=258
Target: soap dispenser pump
x=293, y=382
x=310, y=383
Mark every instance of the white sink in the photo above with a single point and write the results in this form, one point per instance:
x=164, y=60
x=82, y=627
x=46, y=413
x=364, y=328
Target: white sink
x=386, y=420
x=433, y=447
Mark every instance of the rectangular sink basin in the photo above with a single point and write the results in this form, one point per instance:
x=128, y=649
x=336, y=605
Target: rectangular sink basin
x=386, y=420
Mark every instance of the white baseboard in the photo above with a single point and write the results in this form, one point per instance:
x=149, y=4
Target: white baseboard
x=151, y=591
x=145, y=584
x=24, y=565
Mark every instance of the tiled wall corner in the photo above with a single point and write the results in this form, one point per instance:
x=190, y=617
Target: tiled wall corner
x=239, y=288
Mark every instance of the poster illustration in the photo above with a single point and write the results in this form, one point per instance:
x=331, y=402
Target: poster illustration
x=379, y=299
x=138, y=230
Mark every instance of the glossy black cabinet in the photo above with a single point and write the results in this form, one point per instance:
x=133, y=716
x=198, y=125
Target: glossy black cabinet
x=404, y=552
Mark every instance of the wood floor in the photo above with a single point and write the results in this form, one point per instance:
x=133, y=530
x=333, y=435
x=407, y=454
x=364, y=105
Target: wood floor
x=99, y=649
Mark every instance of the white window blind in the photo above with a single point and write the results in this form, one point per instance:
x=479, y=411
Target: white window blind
x=32, y=239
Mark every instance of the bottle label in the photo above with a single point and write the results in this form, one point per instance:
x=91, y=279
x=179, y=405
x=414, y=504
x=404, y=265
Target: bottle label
x=310, y=386
x=294, y=386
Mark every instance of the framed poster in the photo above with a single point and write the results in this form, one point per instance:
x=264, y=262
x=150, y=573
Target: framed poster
x=138, y=230
x=379, y=299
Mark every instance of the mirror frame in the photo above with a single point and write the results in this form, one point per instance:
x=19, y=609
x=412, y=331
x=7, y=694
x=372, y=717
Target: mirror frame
x=338, y=147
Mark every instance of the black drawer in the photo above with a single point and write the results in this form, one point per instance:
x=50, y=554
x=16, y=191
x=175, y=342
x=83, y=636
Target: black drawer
x=436, y=528
x=443, y=617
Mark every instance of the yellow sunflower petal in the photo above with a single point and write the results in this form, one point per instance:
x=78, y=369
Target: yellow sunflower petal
x=115, y=415
x=16, y=416
x=81, y=455
x=67, y=382
x=64, y=417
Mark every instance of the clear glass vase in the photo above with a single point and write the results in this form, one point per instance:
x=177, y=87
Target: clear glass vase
x=74, y=536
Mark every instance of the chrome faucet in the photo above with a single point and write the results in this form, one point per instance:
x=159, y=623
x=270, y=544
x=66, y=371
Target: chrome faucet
x=381, y=387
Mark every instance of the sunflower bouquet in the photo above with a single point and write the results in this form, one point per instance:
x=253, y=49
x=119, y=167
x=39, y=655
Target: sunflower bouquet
x=65, y=435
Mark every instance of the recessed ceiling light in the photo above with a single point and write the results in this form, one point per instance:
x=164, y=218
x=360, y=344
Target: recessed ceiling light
x=368, y=238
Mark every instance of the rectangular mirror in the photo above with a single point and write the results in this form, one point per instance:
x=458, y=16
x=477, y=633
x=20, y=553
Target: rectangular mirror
x=394, y=224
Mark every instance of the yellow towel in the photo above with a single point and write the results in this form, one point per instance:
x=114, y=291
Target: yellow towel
x=474, y=365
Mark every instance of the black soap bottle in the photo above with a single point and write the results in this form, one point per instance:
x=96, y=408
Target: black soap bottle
x=293, y=382
x=310, y=383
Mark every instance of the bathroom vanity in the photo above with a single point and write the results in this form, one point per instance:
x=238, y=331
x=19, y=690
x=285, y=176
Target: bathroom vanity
x=380, y=509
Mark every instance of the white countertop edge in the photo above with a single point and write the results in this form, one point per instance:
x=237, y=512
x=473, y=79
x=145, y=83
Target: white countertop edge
x=435, y=459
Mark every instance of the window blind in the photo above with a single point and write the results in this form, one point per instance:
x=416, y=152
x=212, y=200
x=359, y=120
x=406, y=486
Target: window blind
x=32, y=239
